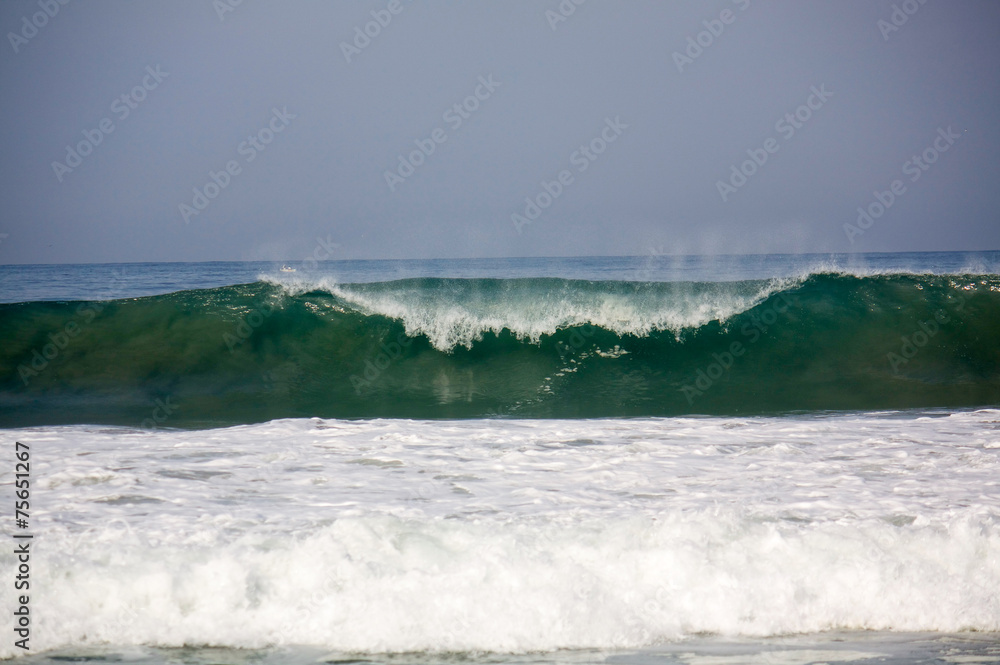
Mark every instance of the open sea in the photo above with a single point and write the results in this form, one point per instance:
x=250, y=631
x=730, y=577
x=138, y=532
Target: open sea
x=627, y=460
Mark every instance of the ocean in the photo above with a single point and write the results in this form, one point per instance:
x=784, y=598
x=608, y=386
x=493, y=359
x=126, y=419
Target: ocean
x=654, y=459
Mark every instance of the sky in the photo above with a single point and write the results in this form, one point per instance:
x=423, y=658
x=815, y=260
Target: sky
x=200, y=130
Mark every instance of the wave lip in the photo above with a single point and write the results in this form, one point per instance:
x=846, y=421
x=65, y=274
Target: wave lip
x=452, y=313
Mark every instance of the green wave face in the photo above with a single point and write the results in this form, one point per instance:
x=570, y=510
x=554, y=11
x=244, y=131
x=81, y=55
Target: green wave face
x=452, y=348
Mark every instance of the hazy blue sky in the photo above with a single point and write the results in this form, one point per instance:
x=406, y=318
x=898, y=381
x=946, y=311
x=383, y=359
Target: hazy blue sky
x=185, y=85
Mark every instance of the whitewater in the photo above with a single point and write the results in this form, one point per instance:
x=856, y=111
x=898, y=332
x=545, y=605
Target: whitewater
x=513, y=535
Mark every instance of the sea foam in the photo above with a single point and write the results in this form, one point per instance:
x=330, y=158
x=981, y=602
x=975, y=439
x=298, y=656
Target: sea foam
x=513, y=535
x=453, y=313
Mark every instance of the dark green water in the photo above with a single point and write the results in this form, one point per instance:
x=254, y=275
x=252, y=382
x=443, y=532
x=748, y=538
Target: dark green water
x=543, y=347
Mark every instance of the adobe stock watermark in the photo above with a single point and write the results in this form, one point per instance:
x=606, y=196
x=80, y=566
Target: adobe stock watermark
x=29, y=28
x=161, y=412
x=918, y=339
x=642, y=610
x=285, y=377
x=501, y=411
x=578, y=346
x=246, y=327
x=323, y=251
x=455, y=116
x=653, y=255
x=577, y=340
x=60, y=340
x=249, y=323
x=899, y=17
x=565, y=9
x=223, y=7
x=249, y=149
x=713, y=30
x=581, y=158
x=122, y=107
x=380, y=362
x=787, y=125
x=381, y=18
x=121, y=615
x=914, y=167
x=723, y=362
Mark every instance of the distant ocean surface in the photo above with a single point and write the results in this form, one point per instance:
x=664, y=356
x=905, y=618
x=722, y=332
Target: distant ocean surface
x=760, y=459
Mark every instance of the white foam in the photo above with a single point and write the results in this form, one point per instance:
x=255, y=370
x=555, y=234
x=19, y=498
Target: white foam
x=796, y=657
x=458, y=314
x=511, y=535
